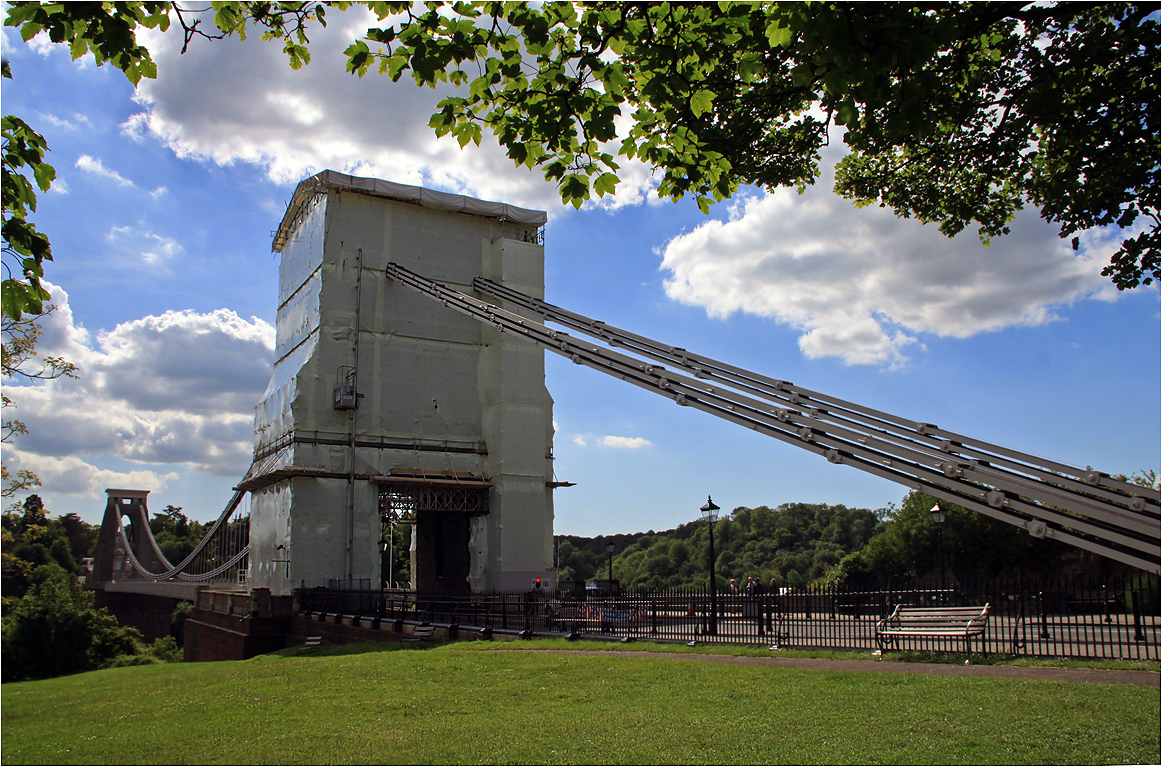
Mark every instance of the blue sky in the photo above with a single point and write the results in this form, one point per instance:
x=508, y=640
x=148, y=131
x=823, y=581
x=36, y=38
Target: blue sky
x=166, y=291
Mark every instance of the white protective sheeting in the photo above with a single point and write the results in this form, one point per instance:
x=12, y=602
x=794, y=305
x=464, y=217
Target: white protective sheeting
x=300, y=283
x=454, y=203
x=441, y=393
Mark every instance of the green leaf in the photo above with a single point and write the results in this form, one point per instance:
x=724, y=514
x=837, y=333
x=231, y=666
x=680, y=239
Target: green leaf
x=358, y=58
x=45, y=174
x=701, y=102
x=605, y=184
x=778, y=35
x=575, y=189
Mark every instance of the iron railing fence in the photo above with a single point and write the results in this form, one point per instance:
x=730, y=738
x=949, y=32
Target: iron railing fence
x=1116, y=618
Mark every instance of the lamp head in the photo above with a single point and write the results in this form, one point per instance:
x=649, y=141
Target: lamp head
x=710, y=511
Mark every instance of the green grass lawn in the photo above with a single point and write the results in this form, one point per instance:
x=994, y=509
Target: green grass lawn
x=471, y=703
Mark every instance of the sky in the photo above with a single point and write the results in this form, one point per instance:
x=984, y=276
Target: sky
x=165, y=290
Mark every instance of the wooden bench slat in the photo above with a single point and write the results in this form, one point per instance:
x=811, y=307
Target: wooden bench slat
x=930, y=632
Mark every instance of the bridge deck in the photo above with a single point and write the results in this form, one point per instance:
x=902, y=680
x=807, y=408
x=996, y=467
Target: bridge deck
x=174, y=589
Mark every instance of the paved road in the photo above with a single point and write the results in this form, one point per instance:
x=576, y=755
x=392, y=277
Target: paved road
x=1101, y=676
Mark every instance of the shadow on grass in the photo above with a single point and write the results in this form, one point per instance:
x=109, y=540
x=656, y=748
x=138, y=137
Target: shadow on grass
x=745, y=651
x=356, y=648
x=750, y=651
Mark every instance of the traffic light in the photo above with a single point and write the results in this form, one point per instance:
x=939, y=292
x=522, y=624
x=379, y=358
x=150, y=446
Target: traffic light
x=536, y=583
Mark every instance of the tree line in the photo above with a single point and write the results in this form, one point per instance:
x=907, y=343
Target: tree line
x=802, y=544
x=793, y=544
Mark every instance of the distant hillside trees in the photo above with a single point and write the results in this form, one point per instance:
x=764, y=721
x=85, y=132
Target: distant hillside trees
x=800, y=544
x=795, y=544
x=906, y=546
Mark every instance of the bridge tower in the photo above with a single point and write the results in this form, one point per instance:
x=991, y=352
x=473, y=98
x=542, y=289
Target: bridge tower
x=385, y=406
x=130, y=504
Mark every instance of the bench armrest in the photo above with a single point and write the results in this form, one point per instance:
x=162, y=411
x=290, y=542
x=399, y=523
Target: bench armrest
x=885, y=623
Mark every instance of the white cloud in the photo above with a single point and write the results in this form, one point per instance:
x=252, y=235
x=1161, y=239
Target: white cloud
x=77, y=122
x=73, y=476
x=42, y=44
x=231, y=101
x=97, y=168
x=143, y=245
x=614, y=442
x=863, y=285
x=174, y=389
x=625, y=443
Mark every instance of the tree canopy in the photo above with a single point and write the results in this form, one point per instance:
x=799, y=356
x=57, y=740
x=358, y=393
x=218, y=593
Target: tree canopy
x=31, y=539
x=954, y=113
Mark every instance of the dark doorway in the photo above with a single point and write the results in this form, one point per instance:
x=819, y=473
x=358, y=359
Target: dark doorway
x=442, y=552
x=441, y=518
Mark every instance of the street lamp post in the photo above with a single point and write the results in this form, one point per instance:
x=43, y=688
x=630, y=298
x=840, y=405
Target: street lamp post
x=938, y=518
x=710, y=512
x=609, y=547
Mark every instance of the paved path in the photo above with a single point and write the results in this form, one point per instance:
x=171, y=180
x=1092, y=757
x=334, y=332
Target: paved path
x=1048, y=674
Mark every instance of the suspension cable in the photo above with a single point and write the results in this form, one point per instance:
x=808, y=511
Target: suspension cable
x=1083, y=508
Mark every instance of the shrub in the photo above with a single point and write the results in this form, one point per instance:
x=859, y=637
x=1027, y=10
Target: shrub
x=55, y=629
x=165, y=650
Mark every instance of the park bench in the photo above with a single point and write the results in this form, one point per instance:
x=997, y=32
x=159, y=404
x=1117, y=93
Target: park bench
x=932, y=623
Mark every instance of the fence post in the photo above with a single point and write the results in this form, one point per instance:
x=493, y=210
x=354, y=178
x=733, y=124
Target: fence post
x=1014, y=643
x=1044, y=617
x=1138, y=635
x=653, y=615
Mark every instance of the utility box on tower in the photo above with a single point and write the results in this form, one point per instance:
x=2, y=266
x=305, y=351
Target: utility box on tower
x=389, y=414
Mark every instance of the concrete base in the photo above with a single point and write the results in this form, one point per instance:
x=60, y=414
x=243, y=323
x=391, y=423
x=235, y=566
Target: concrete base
x=211, y=636
x=236, y=625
